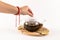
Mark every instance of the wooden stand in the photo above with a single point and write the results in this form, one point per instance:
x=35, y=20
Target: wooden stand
x=40, y=32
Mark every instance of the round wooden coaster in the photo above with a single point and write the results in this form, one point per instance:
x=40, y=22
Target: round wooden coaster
x=40, y=32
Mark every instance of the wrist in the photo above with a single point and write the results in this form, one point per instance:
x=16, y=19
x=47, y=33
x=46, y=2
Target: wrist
x=18, y=11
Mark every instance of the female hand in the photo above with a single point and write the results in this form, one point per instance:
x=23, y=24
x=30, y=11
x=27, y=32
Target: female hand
x=26, y=11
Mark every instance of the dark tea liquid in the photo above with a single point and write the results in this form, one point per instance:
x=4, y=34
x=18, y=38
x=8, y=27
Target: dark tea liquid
x=31, y=28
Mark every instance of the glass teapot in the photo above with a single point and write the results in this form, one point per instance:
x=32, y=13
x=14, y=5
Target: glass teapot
x=32, y=25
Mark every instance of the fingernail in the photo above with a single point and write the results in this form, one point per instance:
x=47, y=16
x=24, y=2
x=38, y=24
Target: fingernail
x=31, y=15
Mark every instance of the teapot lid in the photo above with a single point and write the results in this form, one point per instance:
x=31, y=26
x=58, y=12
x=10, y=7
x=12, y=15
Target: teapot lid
x=31, y=22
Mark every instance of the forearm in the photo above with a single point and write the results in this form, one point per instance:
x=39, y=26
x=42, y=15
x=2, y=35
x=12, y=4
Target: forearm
x=6, y=8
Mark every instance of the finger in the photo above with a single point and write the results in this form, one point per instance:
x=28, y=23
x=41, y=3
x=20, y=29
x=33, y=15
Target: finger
x=30, y=14
x=30, y=11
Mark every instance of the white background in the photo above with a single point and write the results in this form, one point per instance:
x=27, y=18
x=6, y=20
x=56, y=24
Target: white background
x=48, y=10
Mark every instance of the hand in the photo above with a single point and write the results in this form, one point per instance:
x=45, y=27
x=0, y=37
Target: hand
x=26, y=11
